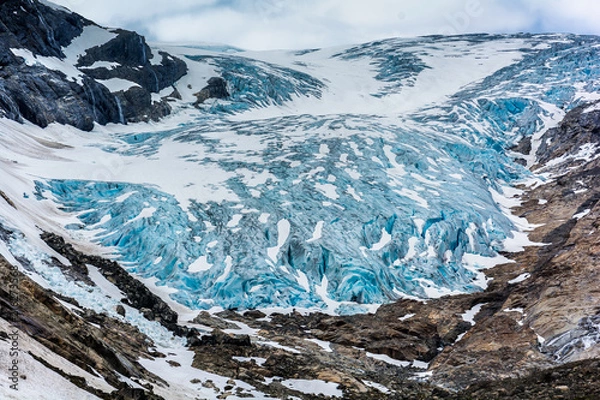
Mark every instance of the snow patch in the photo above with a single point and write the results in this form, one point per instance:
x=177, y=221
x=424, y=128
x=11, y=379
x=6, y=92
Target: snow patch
x=413, y=195
x=328, y=190
x=278, y=346
x=469, y=315
x=302, y=280
x=235, y=220
x=388, y=360
x=226, y=271
x=405, y=317
x=258, y=360
x=377, y=386
x=117, y=84
x=386, y=238
x=324, y=345
x=314, y=387
x=520, y=278
x=201, y=264
x=283, y=232
x=581, y=214
x=317, y=233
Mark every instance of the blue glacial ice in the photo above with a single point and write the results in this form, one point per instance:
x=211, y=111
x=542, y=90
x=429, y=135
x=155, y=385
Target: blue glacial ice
x=349, y=208
x=258, y=83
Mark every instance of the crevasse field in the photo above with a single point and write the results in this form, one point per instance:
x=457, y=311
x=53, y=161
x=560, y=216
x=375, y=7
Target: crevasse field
x=333, y=179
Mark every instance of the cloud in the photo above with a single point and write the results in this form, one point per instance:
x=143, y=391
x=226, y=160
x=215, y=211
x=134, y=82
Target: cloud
x=270, y=24
x=577, y=16
x=115, y=12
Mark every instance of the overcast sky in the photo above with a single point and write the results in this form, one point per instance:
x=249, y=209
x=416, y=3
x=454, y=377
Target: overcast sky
x=297, y=24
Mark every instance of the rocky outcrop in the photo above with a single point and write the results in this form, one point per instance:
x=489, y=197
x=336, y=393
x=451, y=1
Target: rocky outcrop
x=35, y=93
x=137, y=295
x=567, y=142
x=41, y=95
x=37, y=27
x=570, y=381
x=562, y=298
x=136, y=62
x=110, y=351
x=206, y=319
x=216, y=89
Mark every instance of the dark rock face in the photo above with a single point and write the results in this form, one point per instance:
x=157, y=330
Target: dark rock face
x=43, y=96
x=218, y=338
x=134, y=56
x=133, y=394
x=216, y=89
x=48, y=30
x=36, y=93
x=576, y=129
x=136, y=64
x=137, y=105
x=204, y=318
x=571, y=381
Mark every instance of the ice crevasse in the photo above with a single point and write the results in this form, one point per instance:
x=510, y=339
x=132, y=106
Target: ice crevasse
x=318, y=186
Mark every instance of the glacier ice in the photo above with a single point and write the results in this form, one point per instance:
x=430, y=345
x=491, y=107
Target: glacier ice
x=334, y=208
x=257, y=83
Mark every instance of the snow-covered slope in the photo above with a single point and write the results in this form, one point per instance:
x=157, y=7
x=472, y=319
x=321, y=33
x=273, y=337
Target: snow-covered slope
x=331, y=178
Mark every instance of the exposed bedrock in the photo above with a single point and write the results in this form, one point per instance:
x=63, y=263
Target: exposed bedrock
x=33, y=88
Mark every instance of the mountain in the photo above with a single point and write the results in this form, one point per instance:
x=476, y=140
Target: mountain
x=406, y=218
x=66, y=69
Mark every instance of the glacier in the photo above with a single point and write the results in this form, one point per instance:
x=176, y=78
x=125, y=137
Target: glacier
x=332, y=179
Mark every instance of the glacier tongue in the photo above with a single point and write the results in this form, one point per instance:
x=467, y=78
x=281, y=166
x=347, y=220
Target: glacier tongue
x=318, y=183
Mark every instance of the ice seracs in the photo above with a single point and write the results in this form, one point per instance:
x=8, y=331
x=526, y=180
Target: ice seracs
x=332, y=179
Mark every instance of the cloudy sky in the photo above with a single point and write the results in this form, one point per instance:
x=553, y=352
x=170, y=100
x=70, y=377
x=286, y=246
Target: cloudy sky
x=296, y=24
